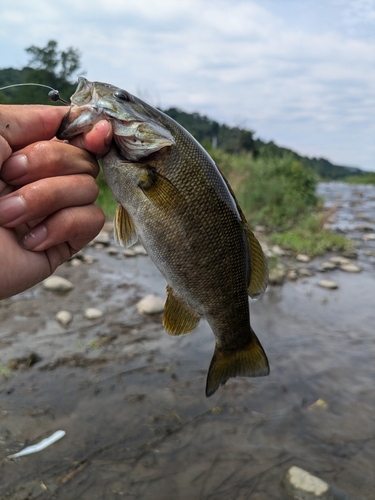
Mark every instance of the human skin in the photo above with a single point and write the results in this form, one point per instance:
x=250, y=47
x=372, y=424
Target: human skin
x=47, y=193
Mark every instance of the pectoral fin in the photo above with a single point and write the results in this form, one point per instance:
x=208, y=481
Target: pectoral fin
x=125, y=233
x=250, y=361
x=178, y=317
x=158, y=189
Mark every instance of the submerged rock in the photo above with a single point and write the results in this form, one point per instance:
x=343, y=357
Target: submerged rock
x=301, y=257
x=330, y=285
x=300, y=484
x=57, y=284
x=337, y=259
x=151, y=304
x=305, y=272
x=277, y=275
x=102, y=238
x=327, y=266
x=351, y=268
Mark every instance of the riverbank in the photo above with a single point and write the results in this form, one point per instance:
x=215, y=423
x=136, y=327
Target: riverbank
x=131, y=398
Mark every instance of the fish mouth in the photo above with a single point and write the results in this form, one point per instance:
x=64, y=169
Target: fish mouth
x=79, y=119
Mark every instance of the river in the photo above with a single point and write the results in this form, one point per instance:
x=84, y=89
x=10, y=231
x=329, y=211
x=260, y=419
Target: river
x=131, y=398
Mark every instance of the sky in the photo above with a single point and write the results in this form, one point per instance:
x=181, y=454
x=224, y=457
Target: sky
x=298, y=72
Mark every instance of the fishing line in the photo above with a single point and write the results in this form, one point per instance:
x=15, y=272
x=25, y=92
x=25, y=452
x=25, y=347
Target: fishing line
x=53, y=94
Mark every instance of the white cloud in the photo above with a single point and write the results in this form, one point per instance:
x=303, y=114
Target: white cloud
x=292, y=72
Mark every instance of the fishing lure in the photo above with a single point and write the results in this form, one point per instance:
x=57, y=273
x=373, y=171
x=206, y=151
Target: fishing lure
x=53, y=94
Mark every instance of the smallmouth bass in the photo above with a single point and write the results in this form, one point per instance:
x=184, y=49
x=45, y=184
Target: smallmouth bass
x=173, y=198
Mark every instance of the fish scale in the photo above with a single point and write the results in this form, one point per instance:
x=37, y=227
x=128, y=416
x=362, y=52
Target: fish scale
x=173, y=198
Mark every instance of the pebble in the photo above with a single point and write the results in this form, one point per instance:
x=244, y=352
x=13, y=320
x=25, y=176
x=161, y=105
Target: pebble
x=339, y=260
x=89, y=259
x=350, y=254
x=112, y=251
x=92, y=313
x=103, y=238
x=292, y=275
x=277, y=250
x=277, y=275
x=368, y=237
x=331, y=285
x=303, y=271
x=129, y=253
x=303, y=258
x=57, y=284
x=139, y=250
x=300, y=484
x=75, y=262
x=327, y=266
x=305, y=482
x=151, y=304
x=351, y=268
x=64, y=317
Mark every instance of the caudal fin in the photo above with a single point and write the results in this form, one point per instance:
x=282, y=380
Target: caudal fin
x=250, y=361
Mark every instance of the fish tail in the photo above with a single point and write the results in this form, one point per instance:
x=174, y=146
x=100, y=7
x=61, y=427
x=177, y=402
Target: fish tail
x=249, y=361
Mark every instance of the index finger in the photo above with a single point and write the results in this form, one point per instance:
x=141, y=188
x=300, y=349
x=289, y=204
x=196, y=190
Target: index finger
x=21, y=125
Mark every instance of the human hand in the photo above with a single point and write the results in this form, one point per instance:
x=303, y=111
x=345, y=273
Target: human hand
x=47, y=191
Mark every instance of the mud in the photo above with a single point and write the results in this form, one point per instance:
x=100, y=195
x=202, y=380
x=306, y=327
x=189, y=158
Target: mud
x=131, y=398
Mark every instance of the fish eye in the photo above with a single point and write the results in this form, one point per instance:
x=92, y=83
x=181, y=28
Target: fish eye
x=120, y=94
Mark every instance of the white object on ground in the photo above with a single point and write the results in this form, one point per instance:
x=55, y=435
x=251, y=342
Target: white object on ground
x=39, y=446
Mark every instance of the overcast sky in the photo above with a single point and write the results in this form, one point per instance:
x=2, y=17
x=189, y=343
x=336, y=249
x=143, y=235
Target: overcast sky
x=298, y=72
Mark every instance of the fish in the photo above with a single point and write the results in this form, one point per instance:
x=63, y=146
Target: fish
x=174, y=199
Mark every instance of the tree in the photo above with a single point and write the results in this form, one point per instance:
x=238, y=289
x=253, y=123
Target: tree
x=59, y=62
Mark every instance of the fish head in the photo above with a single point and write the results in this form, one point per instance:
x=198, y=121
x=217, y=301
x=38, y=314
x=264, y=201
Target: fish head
x=137, y=129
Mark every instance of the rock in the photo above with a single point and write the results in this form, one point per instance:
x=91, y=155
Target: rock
x=64, y=317
x=151, y=304
x=75, y=262
x=108, y=226
x=57, y=284
x=89, y=259
x=24, y=362
x=112, y=251
x=277, y=275
x=129, y=253
x=319, y=404
x=102, y=238
x=139, y=250
x=92, y=313
x=277, y=250
x=300, y=484
x=260, y=229
x=351, y=268
x=337, y=259
x=303, y=271
x=327, y=266
x=330, y=285
x=350, y=254
x=368, y=237
x=303, y=258
x=292, y=275
x=364, y=227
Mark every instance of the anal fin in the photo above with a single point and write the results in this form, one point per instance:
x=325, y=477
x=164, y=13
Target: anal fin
x=250, y=361
x=178, y=317
x=125, y=232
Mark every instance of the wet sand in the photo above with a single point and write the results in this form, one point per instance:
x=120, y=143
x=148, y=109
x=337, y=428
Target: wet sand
x=131, y=398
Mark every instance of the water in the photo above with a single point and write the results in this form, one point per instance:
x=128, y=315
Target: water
x=131, y=399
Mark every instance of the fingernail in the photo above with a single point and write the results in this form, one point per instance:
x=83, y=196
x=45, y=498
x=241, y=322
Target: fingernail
x=11, y=209
x=35, y=237
x=16, y=166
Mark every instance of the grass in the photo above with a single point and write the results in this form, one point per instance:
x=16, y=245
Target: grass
x=361, y=179
x=308, y=237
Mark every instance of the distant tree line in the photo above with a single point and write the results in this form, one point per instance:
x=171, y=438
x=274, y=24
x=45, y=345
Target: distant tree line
x=57, y=68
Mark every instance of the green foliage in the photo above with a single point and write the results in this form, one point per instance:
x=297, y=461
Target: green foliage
x=367, y=178
x=211, y=134
x=105, y=199
x=310, y=238
x=47, y=66
x=275, y=192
